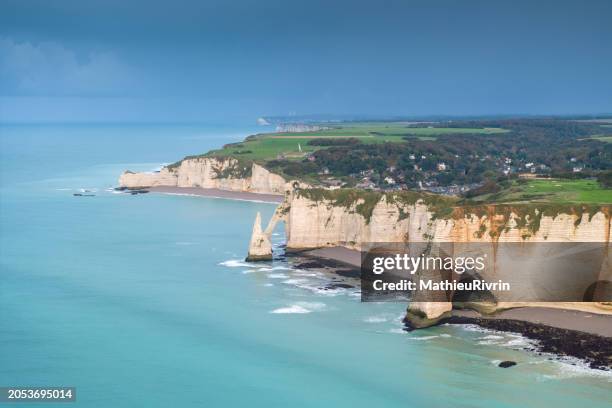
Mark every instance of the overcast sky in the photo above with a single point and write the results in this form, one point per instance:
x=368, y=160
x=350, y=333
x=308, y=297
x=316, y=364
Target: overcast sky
x=218, y=60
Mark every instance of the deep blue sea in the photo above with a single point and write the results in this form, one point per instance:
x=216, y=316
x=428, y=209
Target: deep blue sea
x=144, y=301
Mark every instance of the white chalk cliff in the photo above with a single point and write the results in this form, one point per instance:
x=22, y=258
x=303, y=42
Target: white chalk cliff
x=315, y=221
x=210, y=172
x=314, y=224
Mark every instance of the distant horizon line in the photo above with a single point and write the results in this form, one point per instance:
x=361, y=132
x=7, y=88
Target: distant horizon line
x=323, y=117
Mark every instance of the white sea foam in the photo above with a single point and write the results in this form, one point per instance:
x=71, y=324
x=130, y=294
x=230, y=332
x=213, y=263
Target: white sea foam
x=314, y=306
x=324, y=291
x=300, y=308
x=273, y=268
x=474, y=328
x=488, y=343
x=278, y=276
x=520, y=343
x=291, y=310
x=571, y=367
x=491, y=340
x=397, y=331
x=375, y=319
x=422, y=338
x=304, y=273
x=511, y=340
x=235, y=263
x=295, y=281
x=492, y=337
x=316, y=286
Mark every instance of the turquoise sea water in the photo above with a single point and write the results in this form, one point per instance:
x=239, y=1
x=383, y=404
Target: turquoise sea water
x=144, y=301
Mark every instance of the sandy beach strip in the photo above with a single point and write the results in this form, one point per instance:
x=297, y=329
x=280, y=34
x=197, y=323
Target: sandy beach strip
x=586, y=322
x=218, y=193
x=344, y=255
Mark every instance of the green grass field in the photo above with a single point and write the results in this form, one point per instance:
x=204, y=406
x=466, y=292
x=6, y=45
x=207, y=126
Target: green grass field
x=553, y=191
x=265, y=148
x=380, y=131
x=269, y=146
x=607, y=139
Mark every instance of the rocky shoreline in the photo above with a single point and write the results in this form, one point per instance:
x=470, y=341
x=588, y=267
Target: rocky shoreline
x=593, y=349
x=589, y=343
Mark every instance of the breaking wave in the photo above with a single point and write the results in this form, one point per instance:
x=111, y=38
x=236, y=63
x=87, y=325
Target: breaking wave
x=234, y=263
x=300, y=308
x=375, y=319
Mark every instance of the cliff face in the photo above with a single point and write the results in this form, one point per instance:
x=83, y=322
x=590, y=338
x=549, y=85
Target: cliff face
x=313, y=224
x=210, y=172
x=226, y=174
x=321, y=223
x=164, y=177
x=263, y=181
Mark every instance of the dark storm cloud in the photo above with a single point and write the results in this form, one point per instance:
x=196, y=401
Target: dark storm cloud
x=271, y=57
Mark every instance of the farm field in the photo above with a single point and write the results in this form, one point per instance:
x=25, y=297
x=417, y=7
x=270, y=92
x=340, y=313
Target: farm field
x=553, y=191
x=607, y=139
x=392, y=130
x=295, y=145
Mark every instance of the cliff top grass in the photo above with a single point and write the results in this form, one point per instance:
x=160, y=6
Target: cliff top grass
x=554, y=191
x=527, y=215
x=364, y=201
x=267, y=146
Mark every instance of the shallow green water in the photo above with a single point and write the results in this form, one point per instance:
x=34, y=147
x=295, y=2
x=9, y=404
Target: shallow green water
x=144, y=300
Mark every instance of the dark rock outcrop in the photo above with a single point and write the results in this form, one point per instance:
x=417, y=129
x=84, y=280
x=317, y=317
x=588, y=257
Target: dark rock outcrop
x=595, y=350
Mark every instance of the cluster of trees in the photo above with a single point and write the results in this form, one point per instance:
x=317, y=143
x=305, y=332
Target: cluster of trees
x=605, y=178
x=557, y=127
x=330, y=141
x=293, y=168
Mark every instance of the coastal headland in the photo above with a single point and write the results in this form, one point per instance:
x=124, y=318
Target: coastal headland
x=331, y=213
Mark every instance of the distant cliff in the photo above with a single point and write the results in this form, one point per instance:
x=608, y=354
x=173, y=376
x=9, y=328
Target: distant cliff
x=210, y=172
